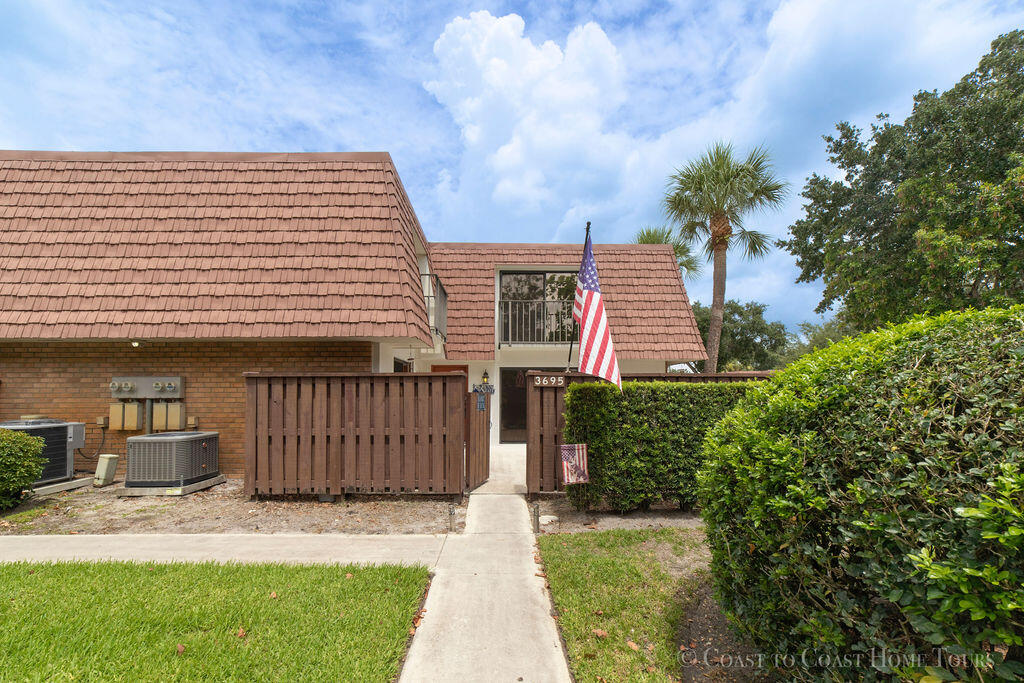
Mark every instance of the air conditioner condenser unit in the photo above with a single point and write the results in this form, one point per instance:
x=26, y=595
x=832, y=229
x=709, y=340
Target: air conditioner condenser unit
x=60, y=439
x=171, y=459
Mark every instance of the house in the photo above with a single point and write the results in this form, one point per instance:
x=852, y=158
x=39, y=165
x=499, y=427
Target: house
x=510, y=311
x=203, y=266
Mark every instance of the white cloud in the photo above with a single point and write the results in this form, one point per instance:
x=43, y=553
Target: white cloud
x=530, y=112
x=557, y=132
x=205, y=76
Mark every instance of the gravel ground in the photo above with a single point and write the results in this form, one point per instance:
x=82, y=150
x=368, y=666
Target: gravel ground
x=225, y=509
x=571, y=520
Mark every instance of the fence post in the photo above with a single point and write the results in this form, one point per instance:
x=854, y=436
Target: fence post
x=250, y=436
x=455, y=446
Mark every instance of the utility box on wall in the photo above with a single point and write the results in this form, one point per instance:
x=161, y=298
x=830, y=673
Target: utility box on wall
x=168, y=416
x=126, y=416
x=159, y=387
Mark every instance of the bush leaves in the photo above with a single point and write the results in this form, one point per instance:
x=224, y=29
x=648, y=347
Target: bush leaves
x=643, y=444
x=870, y=498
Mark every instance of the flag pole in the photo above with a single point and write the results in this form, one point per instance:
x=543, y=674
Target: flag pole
x=572, y=338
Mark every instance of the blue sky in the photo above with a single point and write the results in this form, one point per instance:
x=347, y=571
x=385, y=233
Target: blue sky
x=508, y=121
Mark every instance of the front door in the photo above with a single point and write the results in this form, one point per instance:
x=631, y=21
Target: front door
x=512, y=417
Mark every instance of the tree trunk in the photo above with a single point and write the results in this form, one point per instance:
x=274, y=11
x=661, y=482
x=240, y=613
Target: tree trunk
x=720, y=232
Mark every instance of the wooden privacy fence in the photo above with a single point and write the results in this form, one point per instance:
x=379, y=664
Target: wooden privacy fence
x=545, y=416
x=364, y=433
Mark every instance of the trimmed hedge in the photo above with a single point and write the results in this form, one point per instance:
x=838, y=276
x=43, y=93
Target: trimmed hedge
x=643, y=444
x=21, y=464
x=870, y=500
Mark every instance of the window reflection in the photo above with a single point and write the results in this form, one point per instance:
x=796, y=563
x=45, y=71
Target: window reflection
x=536, y=307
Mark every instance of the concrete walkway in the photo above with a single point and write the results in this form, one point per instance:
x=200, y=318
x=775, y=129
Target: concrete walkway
x=488, y=614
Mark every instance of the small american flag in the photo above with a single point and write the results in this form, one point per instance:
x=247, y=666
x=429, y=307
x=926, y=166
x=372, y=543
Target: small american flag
x=597, y=354
x=574, y=463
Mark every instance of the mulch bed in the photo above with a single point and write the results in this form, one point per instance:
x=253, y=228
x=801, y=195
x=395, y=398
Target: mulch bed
x=226, y=509
x=571, y=520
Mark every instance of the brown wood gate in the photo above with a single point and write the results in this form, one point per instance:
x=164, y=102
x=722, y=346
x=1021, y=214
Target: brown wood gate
x=545, y=416
x=478, y=439
x=361, y=433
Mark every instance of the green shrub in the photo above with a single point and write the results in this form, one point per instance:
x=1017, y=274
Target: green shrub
x=869, y=499
x=21, y=463
x=643, y=444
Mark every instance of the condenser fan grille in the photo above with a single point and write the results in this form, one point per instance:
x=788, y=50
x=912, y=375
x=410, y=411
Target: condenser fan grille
x=172, y=458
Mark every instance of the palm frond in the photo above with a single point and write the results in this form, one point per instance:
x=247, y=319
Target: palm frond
x=755, y=244
x=694, y=230
x=688, y=263
x=708, y=248
x=718, y=184
x=766, y=189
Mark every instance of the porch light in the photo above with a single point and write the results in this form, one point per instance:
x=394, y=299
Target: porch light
x=485, y=386
x=136, y=344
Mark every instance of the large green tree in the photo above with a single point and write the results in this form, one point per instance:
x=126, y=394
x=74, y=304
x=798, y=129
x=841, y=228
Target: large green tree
x=749, y=342
x=927, y=216
x=709, y=199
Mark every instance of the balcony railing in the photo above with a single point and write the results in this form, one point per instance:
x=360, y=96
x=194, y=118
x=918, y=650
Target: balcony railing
x=437, y=304
x=536, y=322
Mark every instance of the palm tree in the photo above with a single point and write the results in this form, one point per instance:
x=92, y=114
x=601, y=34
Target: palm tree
x=708, y=199
x=689, y=264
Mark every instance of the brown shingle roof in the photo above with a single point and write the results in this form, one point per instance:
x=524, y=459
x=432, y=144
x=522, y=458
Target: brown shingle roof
x=170, y=244
x=648, y=311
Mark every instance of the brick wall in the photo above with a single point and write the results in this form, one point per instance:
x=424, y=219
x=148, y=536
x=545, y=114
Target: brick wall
x=69, y=380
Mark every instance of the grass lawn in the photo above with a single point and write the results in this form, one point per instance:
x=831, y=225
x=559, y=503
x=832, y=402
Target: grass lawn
x=149, y=622
x=627, y=599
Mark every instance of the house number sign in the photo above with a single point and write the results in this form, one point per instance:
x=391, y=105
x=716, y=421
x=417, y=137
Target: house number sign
x=549, y=380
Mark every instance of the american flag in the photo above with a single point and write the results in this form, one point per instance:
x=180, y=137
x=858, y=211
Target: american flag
x=597, y=354
x=574, y=463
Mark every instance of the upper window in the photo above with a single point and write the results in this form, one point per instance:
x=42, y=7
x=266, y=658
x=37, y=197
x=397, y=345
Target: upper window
x=538, y=286
x=536, y=307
